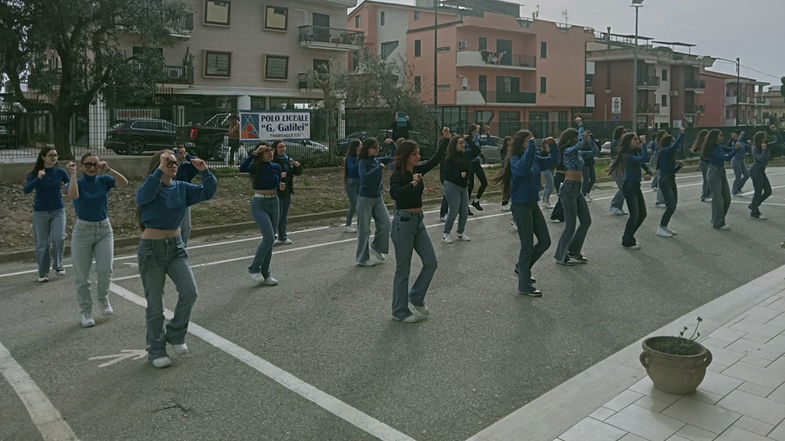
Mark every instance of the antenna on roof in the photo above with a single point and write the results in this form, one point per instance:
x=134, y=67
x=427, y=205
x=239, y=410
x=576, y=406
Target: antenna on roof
x=564, y=13
x=536, y=13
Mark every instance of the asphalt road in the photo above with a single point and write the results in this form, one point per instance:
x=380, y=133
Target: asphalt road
x=484, y=352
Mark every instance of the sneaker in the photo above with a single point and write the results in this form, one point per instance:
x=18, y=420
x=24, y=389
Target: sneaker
x=555, y=221
x=87, y=321
x=532, y=292
x=670, y=230
x=631, y=247
x=377, y=255
x=180, y=349
x=43, y=279
x=60, y=271
x=286, y=241
x=565, y=262
x=413, y=318
x=706, y=200
x=547, y=205
x=470, y=213
x=616, y=211
x=532, y=280
x=422, y=310
x=513, y=225
x=739, y=195
x=476, y=204
x=659, y=204
x=578, y=258
x=588, y=198
x=256, y=277
x=725, y=227
x=106, y=308
x=442, y=219
x=782, y=244
x=369, y=262
x=464, y=237
x=349, y=229
x=758, y=216
x=270, y=281
x=663, y=232
x=506, y=207
x=446, y=238
x=161, y=362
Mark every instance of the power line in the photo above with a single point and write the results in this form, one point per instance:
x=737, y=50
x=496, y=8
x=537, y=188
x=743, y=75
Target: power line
x=751, y=69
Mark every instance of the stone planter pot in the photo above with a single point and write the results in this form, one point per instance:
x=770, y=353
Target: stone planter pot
x=675, y=374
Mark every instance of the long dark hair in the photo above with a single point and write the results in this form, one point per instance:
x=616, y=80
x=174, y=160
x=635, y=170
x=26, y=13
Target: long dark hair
x=471, y=129
x=666, y=141
x=155, y=162
x=758, y=138
x=405, y=149
x=350, y=151
x=568, y=138
x=710, y=142
x=259, y=163
x=452, y=146
x=660, y=135
x=617, y=166
x=502, y=177
x=368, y=143
x=618, y=131
x=39, y=162
x=696, y=146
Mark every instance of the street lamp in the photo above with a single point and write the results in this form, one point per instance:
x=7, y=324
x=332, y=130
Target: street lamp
x=637, y=4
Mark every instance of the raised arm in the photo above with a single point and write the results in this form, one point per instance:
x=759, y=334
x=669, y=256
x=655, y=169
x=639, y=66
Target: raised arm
x=198, y=193
x=247, y=166
x=550, y=161
x=522, y=165
x=149, y=188
x=436, y=159
x=676, y=144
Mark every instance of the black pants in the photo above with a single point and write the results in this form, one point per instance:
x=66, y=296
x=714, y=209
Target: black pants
x=589, y=178
x=531, y=224
x=480, y=173
x=234, y=145
x=637, y=208
x=558, y=211
x=760, y=182
x=670, y=196
x=444, y=208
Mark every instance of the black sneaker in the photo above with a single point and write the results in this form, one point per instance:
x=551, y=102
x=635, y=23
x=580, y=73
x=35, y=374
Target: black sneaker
x=532, y=280
x=565, y=262
x=533, y=292
x=579, y=258
x=470, y=212
x=476, y=204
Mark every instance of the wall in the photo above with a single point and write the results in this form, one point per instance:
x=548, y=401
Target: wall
x=713, y=101
x=616, y=76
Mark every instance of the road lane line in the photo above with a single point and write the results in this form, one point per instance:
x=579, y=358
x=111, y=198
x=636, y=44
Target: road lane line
x=46, y=418
x=322, y=399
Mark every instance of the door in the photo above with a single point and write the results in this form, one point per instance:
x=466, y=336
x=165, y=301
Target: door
x=483, y=85
x=321, y=27
x=504, y=49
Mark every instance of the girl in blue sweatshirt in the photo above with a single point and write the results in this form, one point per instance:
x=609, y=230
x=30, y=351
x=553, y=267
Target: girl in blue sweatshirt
x=703, y=164
x=161, y=202
x=371, y=205
x=520, y=181
x=265, y=177
x=92, y=235
x=47, y=179
x=760, y=182
x=628, y=163
x=667, y=166
x=716, y=153
x=351, y=178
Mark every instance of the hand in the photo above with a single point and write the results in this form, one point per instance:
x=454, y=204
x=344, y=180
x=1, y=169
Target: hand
x=103, y=166
x=296, y=163
x=165, y=158
x=283, y=174
x=463, y=174
x=282, y=186
x=388, y=140
x=738, y=145
x=446, y=132
x=647, y=176
x=41, y=173
x=71, y=167
x=199, y=164
x=587, y=135
x=417, y=177
x=549, y=140
x=258, y=150
x=764, y=145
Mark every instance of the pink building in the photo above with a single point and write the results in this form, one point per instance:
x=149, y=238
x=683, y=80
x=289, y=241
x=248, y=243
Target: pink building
x=728, y=100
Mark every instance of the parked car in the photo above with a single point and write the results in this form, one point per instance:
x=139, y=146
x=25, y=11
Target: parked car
x=206, y=139
x=605, y=150
x=427, y=147
x=343, y=143
x=7, y=137
x=490, y=152
x=136, y=136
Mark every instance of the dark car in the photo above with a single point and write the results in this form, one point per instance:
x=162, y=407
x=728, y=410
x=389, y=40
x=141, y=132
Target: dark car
x=136, y=136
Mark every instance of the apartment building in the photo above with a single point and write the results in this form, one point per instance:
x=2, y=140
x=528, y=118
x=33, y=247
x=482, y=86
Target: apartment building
x=730, y=100
x=772, y=105
x=244, y=54
x=668, y=85
x=384, y=26
x=492, y=64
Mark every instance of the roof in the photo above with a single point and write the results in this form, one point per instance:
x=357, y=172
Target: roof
x=725, y=76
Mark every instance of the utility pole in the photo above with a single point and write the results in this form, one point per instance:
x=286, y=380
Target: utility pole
x=738, y=90
x=637, y=4
x=435, y=56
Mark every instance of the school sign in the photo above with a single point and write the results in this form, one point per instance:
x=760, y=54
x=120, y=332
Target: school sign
x=270, y=124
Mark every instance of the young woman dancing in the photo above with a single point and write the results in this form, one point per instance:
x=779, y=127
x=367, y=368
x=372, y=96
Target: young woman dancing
x=371, y=205
x=629, y=162
x=289, y=169
x=474, y=151
x=703, y=164
x=457, y=166
x=351, y=179
x=760, y=182
x=617, y=203
x=668, y=166
x=714, y=151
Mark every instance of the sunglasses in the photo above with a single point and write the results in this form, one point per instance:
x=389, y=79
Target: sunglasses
x=172, y=164
x=90, y=164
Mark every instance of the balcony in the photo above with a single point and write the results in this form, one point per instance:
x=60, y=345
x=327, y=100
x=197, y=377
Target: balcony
x=502, y=60
x=761, y=100
x=178, y=75
x=692, y=84
x=334, y=39
x=493, y=96
x=648, y=108
x=648, y=82
x=181, y=26
x=693, y=109
x=732, y=100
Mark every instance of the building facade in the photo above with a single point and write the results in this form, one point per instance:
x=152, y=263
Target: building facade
x=730, y=100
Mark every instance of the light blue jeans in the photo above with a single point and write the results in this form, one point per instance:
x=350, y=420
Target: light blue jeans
x=157, y=259
x=409, y=234
x=458, y=203
x=91, y=240
x=49, y=227
x=185, y=226
x=547, y=175
x=368, y=208
x=352, y=187
x=265, y=213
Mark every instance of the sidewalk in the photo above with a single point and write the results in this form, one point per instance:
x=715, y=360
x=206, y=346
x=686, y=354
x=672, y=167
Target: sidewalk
x=742, y=397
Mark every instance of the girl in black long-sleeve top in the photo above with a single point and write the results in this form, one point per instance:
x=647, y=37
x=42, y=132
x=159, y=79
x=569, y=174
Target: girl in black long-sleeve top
x=472, y=144
x=457, y=168
x=760, y=182
x=408, y=229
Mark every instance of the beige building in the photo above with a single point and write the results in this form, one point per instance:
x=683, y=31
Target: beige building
x=772, y=105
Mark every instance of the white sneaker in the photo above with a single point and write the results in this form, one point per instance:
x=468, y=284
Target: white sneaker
x=616, y=212
x=464, y=237
x=162, y=362
x=660, y=204
x=547, y=205
x=60, y=271
x=706, y=200
x=414, y=318
x=349, y=229
x=286, y=241
x=513, y=225
x=180, y=349
x=87, y=321
x=422, y=310
x=446, y=238
x=670, y=230
x=631, y=247
x=256, y=277
x=555, y=221
x=506, y=207
x=43, y=279
x=377, y=255
x=663, y=232
x=587, y=197
x=725, y=227
x=270, y=281
x=739, y=195
x=106, y=308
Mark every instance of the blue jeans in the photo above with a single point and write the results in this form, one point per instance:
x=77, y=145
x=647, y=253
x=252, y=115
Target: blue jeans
x=157, y=259
x=530, y=222
x=720, y=195
x=458, y=203
x=637, y=208
x=705, y=189
x=91, y=240
x=185, y=226
x=265, y=213
x=760, y=182
x=409, y=234
x=284, y=202
x=547, y=175
x=352, y=187
x=49, y=227
x=368, y=208
x=618, y=198
x=670, y=196
x=575, y=208
x=741, y=173
x=589, y=178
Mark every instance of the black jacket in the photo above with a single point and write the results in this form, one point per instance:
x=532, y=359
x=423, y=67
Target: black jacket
x=287, y=165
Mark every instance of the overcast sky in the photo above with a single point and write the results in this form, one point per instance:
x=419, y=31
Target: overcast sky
x=751, y=29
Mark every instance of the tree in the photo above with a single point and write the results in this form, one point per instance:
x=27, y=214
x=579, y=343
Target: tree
x=68, y=52
x=782, y=88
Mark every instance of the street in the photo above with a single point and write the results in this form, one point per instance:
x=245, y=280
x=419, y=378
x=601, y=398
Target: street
x=318, y=356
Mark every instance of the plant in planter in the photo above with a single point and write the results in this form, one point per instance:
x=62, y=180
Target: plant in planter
x=676, y=364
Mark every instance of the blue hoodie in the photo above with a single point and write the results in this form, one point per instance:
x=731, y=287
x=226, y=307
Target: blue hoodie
x=525, y=169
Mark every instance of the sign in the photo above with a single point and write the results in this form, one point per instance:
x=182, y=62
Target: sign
x=616, y=104
x=271, y=124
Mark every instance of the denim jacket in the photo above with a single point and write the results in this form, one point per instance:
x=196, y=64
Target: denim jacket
x=575, y=156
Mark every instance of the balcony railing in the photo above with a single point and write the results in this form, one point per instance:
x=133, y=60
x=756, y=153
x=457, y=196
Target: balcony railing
x=649, y=82
x=648, y=108
x=179, y=74
x=493, y=96
x=694, y=108
x=318, y=37
x=761, y=100
x=694, y=84
x=182, y=25
x=507, y=59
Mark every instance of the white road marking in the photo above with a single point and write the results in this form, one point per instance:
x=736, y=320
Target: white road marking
x=327, y=402
x=46, y=418
x=125, y=354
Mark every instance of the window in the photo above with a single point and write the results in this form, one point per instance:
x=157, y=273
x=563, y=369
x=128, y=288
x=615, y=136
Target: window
x=217, y=12
x=483, y=43
x=217, y=64
x=416, y=15
x=543, y=49
x=276, y=18
x=665, y=101
x=443, y=49
x=381, y=18
x=543, y=84
x=417, y=84
x=483, y=80
x=276, y=67
x=443, y=87
x=357, y=21
x=388, y=47
x=483, y=116
x=279, y=104
x=417, y=48
x=258, y=103
x=665, y=75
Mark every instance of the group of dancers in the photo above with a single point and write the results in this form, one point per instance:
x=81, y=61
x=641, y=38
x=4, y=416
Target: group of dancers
x=166, y=195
